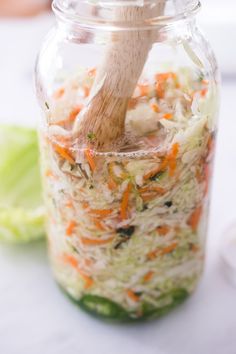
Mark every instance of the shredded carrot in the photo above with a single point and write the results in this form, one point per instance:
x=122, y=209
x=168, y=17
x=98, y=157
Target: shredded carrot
x=88, y=280
x=69, y=204
x=132, y=295
x=64, y=153
x=111, y=184
x=168, y=249
x=168, y=116
x=75, y=111
x=211, y=144
x=156, y=170
x=101, y=212
x=153, y=254
x=86, y=90
x=163, y=230
x=148, y=276
x=90, y=159
x=95, y=242
x=152, y=189
x=70, y=228
x=65, y=140
x=148, y=197
x=165, y=76
x=198, y=175
x=207, y=175
x=160, y=89
x=168, y=161
x=125, y=201
x=175, y=149
x=172, y=159
x=59, y=93
x=92, y=72
x=85, y=205
x=99, y=225
x=194, y=218
x=155, y=108
x=172, y=167
x=70, y=119
x=70, y=260
x=205, y=82
x=144, y=90
x=194, y=248
x=49, y=173
x=203, y=92
x=161, y=80
x=132, y=103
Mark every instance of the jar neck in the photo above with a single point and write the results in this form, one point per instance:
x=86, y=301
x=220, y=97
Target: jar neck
x=124, y=14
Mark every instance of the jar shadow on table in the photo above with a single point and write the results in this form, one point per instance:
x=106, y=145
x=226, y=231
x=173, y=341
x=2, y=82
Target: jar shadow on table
x=20, y=255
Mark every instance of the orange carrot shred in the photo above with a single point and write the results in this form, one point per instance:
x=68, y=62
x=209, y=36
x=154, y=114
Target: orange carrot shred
x=90, y=159
x=148, y=276
x=64, y=153
x=86, y=90
x=205, y=82
x=101, y=212
x=69, y=204
x=156, y=170
x=163, y=230
x=95, y=242
x=70, y=260
x=155, y=108
x=70, y=228
x=99, y=225
x=152, y=255
x=111, y=184
x=59, y=93
x=92, y=72
x=85, y=205
x=152, y=189
x=49, y=173
x=70, y=119
x=132, y=295
x=125, y=201
x=194, y=248
x=75, y=111
x=144, y=89
x=203, y=92
x=194, y=218
x=88, y=281
x=160, y=90
x=168, y=249
x=168, y=116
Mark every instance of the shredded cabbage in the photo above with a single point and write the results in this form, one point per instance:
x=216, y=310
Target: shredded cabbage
x=21, y=211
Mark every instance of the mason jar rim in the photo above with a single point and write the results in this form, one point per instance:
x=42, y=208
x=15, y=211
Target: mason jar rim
x=98, y=13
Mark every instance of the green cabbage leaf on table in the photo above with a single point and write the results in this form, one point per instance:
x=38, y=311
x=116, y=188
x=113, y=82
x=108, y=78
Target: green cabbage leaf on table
x=21, y=206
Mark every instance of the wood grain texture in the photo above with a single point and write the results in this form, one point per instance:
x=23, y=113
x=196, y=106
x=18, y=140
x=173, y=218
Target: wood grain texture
x=116, y=78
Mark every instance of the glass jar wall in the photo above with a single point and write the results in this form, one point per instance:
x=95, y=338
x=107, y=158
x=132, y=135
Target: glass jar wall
x=127, y=221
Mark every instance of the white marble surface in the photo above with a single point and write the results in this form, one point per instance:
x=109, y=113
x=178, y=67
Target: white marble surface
x=35, y=318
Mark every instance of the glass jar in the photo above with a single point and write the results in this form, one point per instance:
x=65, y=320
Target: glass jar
x=127, y=221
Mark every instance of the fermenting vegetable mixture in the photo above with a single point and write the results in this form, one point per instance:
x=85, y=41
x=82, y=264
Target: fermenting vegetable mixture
x=127, y=227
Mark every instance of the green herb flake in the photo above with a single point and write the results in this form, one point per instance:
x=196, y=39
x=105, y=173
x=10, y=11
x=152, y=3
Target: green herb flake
x=91, y=136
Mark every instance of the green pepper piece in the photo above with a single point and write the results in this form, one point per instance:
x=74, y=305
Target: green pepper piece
x=102, y=307
x=177, y=295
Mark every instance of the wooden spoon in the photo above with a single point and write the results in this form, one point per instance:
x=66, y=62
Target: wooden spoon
x=116, y=79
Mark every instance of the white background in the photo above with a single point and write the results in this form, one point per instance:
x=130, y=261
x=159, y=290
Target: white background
x=35, y=318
